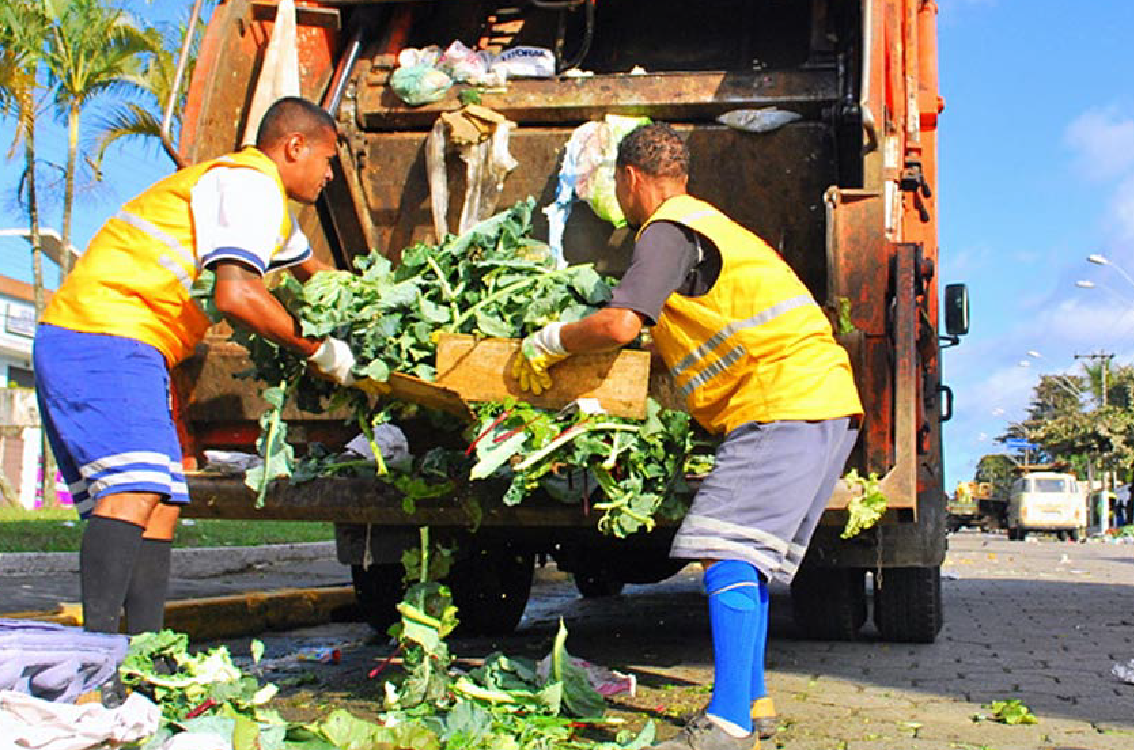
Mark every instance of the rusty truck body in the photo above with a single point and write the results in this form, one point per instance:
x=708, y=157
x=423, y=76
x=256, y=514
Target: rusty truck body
x=846, y=194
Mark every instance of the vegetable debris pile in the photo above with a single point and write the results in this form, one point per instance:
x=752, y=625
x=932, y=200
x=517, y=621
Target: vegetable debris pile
x=505, y=704
x=494, y=281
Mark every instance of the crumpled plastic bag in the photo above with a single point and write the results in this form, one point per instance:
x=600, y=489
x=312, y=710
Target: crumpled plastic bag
x=757, y=120
x=391, y=441
x=1124, y=672
x=29, y=722
x=420, y=84
x=606, y=682
x=56, y=662
x=525, y=62
x=588, y=173
x=598, y=150
x=466, y=65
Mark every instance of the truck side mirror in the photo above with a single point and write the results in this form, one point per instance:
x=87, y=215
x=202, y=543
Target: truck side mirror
x=956, y=309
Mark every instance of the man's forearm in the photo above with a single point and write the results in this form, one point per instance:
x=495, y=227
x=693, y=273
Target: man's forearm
x=610, y=328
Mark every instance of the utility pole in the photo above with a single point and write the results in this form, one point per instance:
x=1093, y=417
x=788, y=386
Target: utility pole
x=1104, y=369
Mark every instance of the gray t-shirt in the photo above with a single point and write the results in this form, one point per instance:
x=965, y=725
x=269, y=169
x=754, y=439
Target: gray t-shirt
x=667, y=258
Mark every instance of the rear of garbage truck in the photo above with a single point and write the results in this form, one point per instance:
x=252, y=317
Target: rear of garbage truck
x=830, y=157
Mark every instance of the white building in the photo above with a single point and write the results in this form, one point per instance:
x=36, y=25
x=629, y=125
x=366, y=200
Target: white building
x=17, y=328
x=20, y=435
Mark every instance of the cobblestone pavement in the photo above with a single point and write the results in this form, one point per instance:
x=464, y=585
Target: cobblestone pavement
x=1041, y=621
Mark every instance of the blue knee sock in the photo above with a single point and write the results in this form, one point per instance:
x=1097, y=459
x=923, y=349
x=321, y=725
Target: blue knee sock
x=734, y=621
x=759, y=596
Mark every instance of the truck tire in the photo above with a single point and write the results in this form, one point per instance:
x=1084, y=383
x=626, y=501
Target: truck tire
x=596, y=584
x=829, y=603
x=907, y=604
x=377, y=590
x=490, y=589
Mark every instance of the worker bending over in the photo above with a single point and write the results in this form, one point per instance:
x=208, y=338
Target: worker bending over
x=124, y=316
x=755, y=358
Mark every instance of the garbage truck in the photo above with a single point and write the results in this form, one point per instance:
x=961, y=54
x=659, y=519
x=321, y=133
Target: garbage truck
x=844, y=189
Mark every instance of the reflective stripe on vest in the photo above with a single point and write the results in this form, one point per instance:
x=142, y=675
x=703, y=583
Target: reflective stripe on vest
x=719, y=338
x=756, y=346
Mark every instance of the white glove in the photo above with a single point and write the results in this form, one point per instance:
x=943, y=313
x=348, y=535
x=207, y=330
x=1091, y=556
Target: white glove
x=334, y=359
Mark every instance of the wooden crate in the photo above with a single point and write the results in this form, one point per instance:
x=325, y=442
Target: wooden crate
x=481, y=370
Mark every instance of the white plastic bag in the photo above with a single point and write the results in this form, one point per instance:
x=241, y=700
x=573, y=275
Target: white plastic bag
x=597, y=152
x=525, y=62
x=419, y=84
x=465, y=65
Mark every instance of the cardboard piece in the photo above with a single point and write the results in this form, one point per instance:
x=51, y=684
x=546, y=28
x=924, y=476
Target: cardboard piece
x=481, y=370
x=433, y=395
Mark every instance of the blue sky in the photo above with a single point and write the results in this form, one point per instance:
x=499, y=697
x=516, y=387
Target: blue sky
x=1036, y=172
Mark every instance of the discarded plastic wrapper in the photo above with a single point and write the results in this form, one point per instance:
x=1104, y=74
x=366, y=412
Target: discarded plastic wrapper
x=230, y=462
x=29, y=722
x=56, y=662
x=525, y=62
x=588, y=172
x=420, y=84
x=605, y=681
x=481, y=137
x=1124, y=672
x=757, y=120
x=390, y=440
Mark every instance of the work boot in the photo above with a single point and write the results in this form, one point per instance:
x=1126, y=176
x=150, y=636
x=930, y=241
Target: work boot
x=702, y=733
x=764, y=720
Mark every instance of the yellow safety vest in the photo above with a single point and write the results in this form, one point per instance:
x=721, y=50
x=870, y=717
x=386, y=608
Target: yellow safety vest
x=756, y=347
x=135, y=277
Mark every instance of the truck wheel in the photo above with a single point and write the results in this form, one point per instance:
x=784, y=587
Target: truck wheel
x=907, y=604
x=490, y=589
x=595, y=584
x=378, y=589
x=829, y=603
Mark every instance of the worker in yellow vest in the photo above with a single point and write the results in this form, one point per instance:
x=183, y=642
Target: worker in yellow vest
x=125, y=315
x=755, y=358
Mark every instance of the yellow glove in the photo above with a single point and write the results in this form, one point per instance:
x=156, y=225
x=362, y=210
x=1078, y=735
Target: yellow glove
x=539, y=352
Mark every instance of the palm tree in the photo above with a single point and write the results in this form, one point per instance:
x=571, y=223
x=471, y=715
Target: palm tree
x=90, y=49
x=23, y=26
x=143, y=119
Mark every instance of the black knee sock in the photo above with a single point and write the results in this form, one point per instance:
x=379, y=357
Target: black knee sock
x=106, y=563
x=145, y=599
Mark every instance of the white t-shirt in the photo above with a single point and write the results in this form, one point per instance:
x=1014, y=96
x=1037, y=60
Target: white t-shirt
x=237, y=213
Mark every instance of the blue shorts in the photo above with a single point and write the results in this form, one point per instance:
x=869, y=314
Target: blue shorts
x=765, y=494
x=104, y=402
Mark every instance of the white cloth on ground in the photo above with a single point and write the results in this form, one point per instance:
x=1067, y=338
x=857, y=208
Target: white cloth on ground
x=29, y=723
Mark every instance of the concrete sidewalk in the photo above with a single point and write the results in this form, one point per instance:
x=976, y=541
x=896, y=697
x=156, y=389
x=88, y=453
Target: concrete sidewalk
x=187, y=561
x=213, y=591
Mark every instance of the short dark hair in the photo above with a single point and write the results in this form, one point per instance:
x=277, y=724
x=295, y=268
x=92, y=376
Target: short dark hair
x=292, y=114
x=656, y=149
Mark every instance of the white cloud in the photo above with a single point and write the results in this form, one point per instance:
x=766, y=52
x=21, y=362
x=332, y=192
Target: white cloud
x=1122, y=210
x=1103, y=140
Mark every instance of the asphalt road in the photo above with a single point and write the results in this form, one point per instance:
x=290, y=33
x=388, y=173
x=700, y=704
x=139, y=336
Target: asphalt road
x=1041, y=621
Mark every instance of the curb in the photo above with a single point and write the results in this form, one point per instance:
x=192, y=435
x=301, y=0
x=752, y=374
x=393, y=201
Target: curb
x=188, y=561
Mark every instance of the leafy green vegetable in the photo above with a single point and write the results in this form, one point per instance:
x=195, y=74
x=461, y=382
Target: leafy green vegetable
x=1011, y=711
x=493, y=280
x=866, y=508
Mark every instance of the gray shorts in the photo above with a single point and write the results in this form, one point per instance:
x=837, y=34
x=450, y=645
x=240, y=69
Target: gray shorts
x=766, y=493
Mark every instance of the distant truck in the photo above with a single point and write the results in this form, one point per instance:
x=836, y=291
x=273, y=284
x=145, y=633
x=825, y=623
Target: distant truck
x=976, y=504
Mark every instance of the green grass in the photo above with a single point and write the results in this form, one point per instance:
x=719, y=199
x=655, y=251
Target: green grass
x=60, y=530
